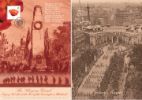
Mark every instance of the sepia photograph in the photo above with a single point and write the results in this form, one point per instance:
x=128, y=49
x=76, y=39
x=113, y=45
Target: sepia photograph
x=106, y=49
x=35, y=43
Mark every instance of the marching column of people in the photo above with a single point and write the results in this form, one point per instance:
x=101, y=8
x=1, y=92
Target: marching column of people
x=37, y=80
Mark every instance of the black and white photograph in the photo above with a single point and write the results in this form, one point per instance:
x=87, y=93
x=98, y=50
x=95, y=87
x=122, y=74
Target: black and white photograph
x=106, y=49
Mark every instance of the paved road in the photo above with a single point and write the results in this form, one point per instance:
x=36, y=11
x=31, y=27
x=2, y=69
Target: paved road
x=92, y=81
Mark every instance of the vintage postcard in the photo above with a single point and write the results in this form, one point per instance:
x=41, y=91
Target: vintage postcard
x=35, y=48
x=107, y=49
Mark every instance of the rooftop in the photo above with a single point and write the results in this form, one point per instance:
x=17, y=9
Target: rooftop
x=131, y=31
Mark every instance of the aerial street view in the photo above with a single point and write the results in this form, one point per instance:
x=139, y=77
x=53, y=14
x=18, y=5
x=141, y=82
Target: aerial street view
x=107, y=45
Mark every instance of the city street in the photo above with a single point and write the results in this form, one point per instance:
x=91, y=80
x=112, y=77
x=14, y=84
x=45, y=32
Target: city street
x=92, y=81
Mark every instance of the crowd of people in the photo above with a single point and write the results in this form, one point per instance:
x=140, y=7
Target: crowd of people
x=97, y=81
x=134, y=76
x=6, y=67
x=92, y=82
x=36, y=80
x=113, y=74
x=55, y=56
x=82, y=66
